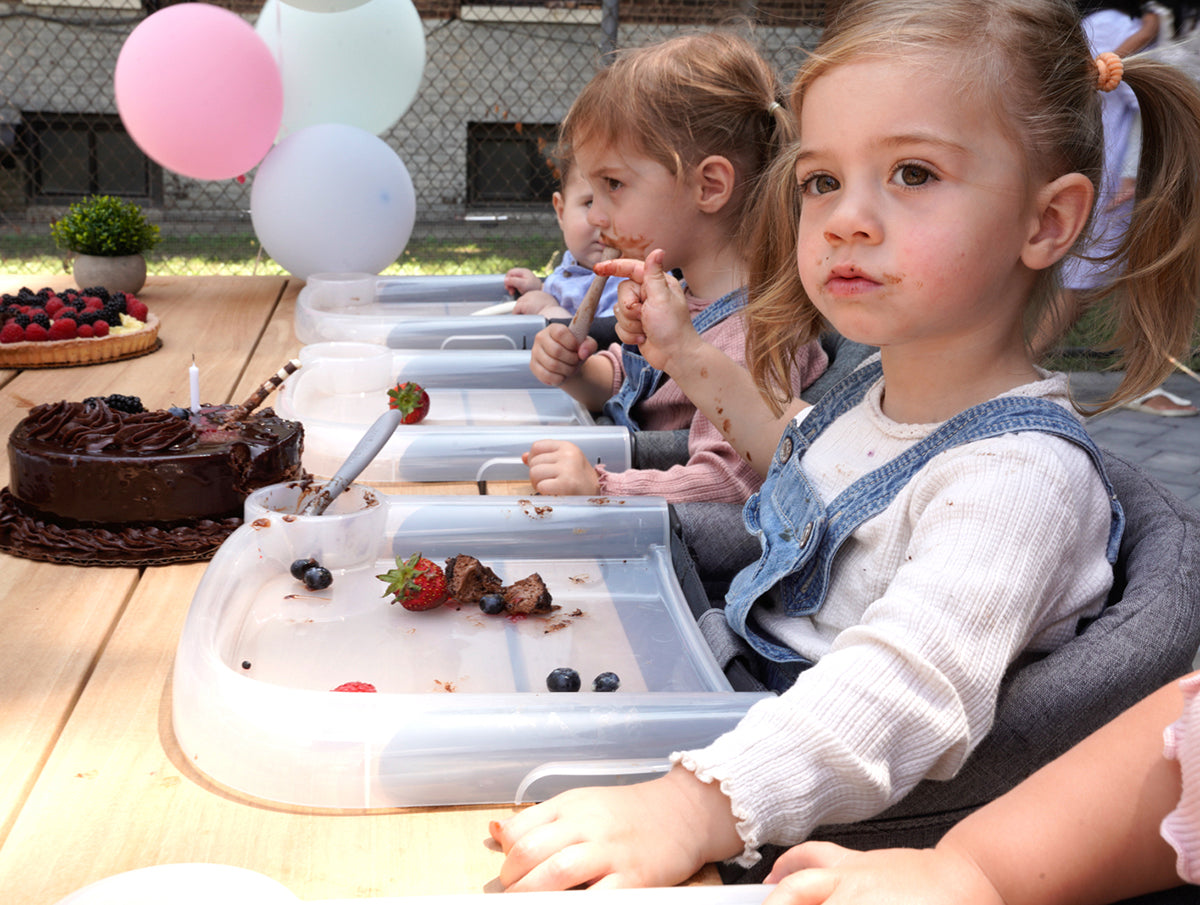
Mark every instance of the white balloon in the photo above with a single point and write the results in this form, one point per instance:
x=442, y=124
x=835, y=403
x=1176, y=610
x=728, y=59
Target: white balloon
x=324, y=6
x=332, y=197
x=359, y=66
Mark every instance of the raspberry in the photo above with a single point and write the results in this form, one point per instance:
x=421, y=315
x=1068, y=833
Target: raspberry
x=100, y=328
x=354, y=686
x=85, y=331
x=63, y=328
x=91, y=303
x=136, y=308
x=36, y=333
x=12, y=333
x=53, y=304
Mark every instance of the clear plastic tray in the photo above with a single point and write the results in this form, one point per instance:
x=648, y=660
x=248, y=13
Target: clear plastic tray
x=462, y=714
x=472, y=432
x=414, y=312
x=361, y=367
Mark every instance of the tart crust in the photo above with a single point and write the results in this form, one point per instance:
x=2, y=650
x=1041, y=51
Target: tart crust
x=88, y=350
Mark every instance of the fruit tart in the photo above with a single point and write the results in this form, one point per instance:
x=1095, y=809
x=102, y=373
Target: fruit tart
x=55, y=329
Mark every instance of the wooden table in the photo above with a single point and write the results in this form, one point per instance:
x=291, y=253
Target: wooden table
x=92, y=782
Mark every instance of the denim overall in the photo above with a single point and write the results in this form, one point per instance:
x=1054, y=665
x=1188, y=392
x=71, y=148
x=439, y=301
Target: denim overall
x=800, y=536
x=641, y=381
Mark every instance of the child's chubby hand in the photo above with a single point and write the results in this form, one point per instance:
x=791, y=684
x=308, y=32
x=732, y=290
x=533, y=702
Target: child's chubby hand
x=656, y=833
x=652, y=312
x=559, y=468
x=821, y=872
x=557, y=355
x=521, y=280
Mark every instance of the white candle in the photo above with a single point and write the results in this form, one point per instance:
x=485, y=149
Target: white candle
x=194, y=380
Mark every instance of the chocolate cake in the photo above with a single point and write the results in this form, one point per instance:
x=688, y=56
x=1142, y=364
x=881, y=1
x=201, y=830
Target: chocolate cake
x=104, y=482
x=467, y=579
x=529, y=595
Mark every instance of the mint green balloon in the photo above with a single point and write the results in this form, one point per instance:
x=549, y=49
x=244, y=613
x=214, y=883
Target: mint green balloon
x=360, y=66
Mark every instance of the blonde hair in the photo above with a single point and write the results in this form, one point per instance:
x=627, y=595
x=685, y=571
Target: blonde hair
x=1029, y=61
x=684, y=99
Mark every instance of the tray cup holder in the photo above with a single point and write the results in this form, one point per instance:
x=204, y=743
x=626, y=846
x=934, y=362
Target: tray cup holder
x=349, y=368
x=348, y=535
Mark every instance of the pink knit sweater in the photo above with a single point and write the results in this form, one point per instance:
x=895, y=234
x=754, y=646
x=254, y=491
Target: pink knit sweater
x=1181, y=828
x=714, y=471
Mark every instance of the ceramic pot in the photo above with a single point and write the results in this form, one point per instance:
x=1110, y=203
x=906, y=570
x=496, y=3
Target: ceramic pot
x=126, y=273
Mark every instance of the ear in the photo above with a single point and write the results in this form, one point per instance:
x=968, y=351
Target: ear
x=714, y=178
x=1061, y=212
x=557, y=200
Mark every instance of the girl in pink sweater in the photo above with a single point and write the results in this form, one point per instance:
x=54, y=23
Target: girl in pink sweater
x=672, y=138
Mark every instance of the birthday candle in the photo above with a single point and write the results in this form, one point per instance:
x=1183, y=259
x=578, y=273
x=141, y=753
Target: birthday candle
x=194, y=380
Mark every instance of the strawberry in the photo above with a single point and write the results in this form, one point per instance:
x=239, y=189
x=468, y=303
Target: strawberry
x=416, y=583
x=12, y=332
x=355, y=686
x=411, y=399
x=63, y=328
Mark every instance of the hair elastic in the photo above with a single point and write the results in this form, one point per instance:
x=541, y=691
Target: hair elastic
x=773, y=106
x=1109, y=70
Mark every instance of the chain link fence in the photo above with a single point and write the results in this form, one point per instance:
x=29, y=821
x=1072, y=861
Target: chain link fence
x=498, y=78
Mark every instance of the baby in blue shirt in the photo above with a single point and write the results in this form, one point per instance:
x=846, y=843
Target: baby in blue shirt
x=562, y=291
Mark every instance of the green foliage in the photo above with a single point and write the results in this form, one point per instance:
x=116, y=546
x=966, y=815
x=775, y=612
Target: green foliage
x=106, y=226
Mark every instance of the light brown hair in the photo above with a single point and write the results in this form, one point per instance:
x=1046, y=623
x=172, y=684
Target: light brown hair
x=684, y=99
x=1030, y=62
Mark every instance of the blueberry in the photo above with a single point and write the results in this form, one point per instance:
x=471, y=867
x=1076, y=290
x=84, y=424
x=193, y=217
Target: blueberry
x=492, y=604
x=317, y=578
x=245, y=664
x=300, y=566
x=606, y=681
x=563, y=679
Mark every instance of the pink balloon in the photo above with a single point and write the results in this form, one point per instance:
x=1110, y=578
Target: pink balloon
x=199, y=91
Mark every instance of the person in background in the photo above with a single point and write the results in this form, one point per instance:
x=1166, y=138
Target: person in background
x=561, y=292
x=942, y=511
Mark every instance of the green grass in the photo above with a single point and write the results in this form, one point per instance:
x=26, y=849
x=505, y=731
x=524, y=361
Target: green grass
x=238, y=254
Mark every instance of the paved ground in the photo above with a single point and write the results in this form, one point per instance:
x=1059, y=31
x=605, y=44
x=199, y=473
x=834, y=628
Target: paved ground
x=1167, y=448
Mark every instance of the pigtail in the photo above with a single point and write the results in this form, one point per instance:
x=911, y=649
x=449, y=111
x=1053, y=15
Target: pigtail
x=1155, y=296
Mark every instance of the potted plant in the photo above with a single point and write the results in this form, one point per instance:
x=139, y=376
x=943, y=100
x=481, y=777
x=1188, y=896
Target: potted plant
x=107, y=238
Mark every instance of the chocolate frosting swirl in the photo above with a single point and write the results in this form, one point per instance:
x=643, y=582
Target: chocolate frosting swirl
x=93, y=427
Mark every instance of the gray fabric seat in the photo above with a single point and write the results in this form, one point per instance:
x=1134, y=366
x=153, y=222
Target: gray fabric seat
x=1147, y=635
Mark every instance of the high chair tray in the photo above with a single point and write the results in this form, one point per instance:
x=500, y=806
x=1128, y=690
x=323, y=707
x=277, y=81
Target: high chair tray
x=411, y=312
x=220, y=884
x=462, y=714
x=471, y=433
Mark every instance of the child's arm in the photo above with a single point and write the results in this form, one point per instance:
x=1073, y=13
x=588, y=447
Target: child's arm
x=1084, y=828
x=653, y=314
x=540, y=302
x=655, y=833
x=558, y=359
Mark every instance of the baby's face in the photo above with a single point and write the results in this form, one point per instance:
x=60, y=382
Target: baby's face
x=572, y=205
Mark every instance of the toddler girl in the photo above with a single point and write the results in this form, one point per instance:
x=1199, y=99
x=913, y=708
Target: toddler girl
x=942, y=510
x=673, y=139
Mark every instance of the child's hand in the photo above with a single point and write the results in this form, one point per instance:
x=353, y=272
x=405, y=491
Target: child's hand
x=652, y=312
x=655, y=833
x=821, y=872
x=520, y=280
x=559, y=468
x=556, y=355
x=535, y=302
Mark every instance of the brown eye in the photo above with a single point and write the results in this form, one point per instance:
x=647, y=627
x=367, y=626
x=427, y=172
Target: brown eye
x=912, y=175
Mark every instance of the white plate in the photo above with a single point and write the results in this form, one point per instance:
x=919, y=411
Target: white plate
x=184, y=884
